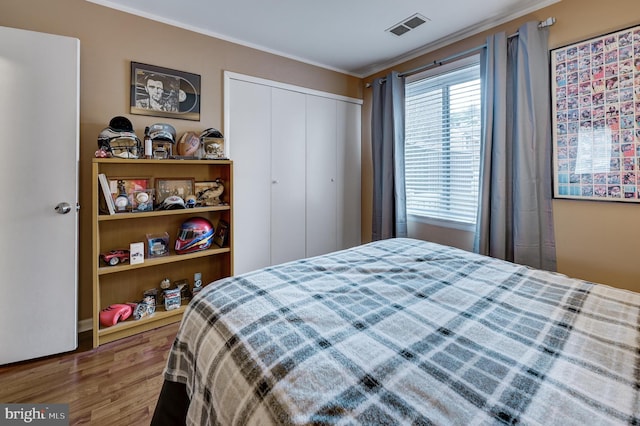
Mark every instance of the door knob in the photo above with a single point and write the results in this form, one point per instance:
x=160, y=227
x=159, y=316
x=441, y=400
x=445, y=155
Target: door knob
x=63, y=208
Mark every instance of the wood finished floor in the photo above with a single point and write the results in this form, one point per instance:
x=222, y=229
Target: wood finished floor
x=117, y=383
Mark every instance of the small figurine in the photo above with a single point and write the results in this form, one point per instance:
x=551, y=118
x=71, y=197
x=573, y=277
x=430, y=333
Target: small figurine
x=197, y=283
x=165, y=284
x=102, y=153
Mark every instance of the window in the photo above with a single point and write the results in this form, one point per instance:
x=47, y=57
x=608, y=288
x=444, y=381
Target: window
x=442, y=144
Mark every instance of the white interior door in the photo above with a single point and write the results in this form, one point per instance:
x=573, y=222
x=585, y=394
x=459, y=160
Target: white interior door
x=39, y=118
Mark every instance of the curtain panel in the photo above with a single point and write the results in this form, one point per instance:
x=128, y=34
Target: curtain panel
x=515, y=218
x=387, y=146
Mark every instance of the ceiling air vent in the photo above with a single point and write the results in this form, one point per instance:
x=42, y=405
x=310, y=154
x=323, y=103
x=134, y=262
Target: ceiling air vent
x=407, y=25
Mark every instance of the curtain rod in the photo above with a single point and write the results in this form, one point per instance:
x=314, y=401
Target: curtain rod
x=543, y=24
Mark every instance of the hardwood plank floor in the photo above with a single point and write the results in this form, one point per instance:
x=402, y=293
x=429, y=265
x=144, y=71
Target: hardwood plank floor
x=117, y=383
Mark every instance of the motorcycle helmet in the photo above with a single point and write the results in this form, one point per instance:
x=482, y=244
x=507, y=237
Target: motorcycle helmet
x=195, y=234
x=119, y=139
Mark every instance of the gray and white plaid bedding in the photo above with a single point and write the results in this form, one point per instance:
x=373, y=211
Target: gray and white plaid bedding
x=403, y=331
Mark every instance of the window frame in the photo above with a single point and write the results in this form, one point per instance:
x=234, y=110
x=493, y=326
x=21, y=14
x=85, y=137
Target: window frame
x=472, y=59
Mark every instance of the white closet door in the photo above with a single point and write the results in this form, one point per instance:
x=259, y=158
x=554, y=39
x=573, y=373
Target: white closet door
x=322, y=234
x=249, y=127
x=287, y=176
x=348, y=174
x=296, y=156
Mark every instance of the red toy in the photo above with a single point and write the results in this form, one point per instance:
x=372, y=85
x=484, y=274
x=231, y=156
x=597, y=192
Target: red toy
x=114, y=257
x=115, y=313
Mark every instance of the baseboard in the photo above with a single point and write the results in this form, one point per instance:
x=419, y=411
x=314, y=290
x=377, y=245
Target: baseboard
x=85, y=325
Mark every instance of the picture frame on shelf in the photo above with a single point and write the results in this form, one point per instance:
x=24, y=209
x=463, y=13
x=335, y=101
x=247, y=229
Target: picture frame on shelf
x=166, y=187
x=164, y=92
x=221, y=236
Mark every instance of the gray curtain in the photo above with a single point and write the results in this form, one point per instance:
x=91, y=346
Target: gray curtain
x=387, y=146
x=515, y=218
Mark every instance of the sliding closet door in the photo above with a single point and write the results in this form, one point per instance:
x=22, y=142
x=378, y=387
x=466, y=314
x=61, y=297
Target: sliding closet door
x=322, y=214
x=249, y=128
x=288, y=123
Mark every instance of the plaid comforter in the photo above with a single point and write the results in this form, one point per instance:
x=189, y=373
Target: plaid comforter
x=403, y=331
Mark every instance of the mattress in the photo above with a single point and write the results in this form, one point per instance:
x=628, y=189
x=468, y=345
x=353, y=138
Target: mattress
x=403, y=331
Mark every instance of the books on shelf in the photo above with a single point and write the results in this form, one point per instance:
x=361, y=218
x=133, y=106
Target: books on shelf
x=106, y=193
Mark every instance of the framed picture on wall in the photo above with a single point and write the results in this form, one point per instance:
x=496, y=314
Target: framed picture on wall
x=595, y=92
x=163, y=92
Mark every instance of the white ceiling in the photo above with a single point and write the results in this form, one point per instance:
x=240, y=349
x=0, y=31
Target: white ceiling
x=342, y=35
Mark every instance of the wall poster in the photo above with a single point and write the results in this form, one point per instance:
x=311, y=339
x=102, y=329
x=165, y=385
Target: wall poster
x=595, y=92
x=163, y=92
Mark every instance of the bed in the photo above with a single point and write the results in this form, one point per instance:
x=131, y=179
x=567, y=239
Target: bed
x=403, y=331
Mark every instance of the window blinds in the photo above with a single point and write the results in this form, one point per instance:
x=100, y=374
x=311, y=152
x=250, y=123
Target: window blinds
x=442, y=145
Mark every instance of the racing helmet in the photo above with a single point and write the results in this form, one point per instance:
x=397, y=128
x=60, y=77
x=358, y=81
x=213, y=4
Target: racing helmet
x=119, y=139
x=195, y=234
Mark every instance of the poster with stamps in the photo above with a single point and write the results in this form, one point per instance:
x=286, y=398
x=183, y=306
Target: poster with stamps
x=595, y=95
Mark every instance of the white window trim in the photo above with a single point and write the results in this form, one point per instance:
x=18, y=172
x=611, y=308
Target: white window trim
x=443, y=69
x=442, y=223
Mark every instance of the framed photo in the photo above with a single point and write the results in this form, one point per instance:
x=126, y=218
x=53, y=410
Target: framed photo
x=595, y=92
x=209, y=193
x=221, y=236
x=123, y=190
x=163, y=92
x=166, y=187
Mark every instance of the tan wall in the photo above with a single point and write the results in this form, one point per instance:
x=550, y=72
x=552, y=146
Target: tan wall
x=109, y=41
x=596, y=241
